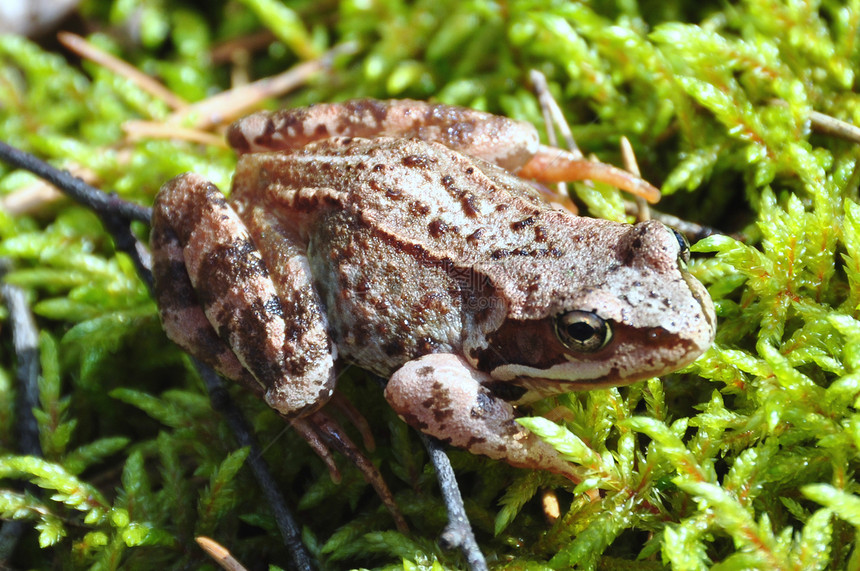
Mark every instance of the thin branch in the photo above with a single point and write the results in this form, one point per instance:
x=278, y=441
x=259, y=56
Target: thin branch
x=10, y=535
x=114, y=212
x=632, y=165
x=122, y=68
x=220, y=554
x=832, y=126
x=553, y=115
x=458, y=532
x=223, y=52
x=548, y=108
x=30, y=199
x=25, y=340
x=137, y=130
x=828, y=124
x=233, y=103
x=222, y=403
x=74, y=187
x=693, y=231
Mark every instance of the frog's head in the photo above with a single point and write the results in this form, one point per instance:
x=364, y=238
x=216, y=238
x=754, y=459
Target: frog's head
x=613, y=305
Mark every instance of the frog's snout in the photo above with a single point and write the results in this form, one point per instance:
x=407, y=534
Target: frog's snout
x=701, y=295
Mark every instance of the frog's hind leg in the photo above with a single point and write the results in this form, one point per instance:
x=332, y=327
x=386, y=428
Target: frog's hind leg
x=510, y=144
x=287, y=261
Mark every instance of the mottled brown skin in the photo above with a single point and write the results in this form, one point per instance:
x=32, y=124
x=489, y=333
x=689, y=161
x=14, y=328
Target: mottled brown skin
x=432, y=267
x=511, y=145
x=479, y=134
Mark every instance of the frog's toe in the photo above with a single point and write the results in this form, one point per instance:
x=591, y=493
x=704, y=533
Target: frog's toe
x=321, y=432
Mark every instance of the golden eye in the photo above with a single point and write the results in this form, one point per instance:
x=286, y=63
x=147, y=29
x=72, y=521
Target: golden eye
x=684, y=248
x=582, y=331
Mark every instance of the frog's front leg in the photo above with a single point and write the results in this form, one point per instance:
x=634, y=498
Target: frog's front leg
x=441, y=395
x=240, y=299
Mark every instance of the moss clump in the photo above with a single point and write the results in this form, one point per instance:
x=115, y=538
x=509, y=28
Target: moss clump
x=746, y=460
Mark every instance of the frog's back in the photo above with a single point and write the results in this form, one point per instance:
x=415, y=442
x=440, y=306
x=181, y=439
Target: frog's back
x=432, y=199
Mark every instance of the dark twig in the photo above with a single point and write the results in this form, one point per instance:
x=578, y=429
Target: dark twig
x=458, y=532
x=74, y=187
x=10, y=535
x=25, y=339
x=125, y=241
x=222, y=403
x=116, y=214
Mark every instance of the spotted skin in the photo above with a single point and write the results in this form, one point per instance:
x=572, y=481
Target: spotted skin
x=180, y=309
x=496, y=139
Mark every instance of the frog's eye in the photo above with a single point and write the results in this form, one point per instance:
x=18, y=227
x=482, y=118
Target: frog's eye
x=684, y=248
x=582, y=331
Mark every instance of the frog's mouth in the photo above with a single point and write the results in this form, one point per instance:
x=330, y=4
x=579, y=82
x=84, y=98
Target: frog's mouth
x=529, y=355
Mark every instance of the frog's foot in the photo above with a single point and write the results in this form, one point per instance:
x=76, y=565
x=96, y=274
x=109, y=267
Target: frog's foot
x=441, y=395
x=556, y=165
x=321, y=432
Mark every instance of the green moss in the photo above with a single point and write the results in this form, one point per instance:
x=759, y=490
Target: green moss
x=746, y=460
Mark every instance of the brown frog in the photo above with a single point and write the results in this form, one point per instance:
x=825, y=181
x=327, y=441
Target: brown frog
x=400, y=236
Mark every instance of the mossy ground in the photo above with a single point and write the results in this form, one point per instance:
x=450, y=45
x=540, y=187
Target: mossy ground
x=745, y=460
